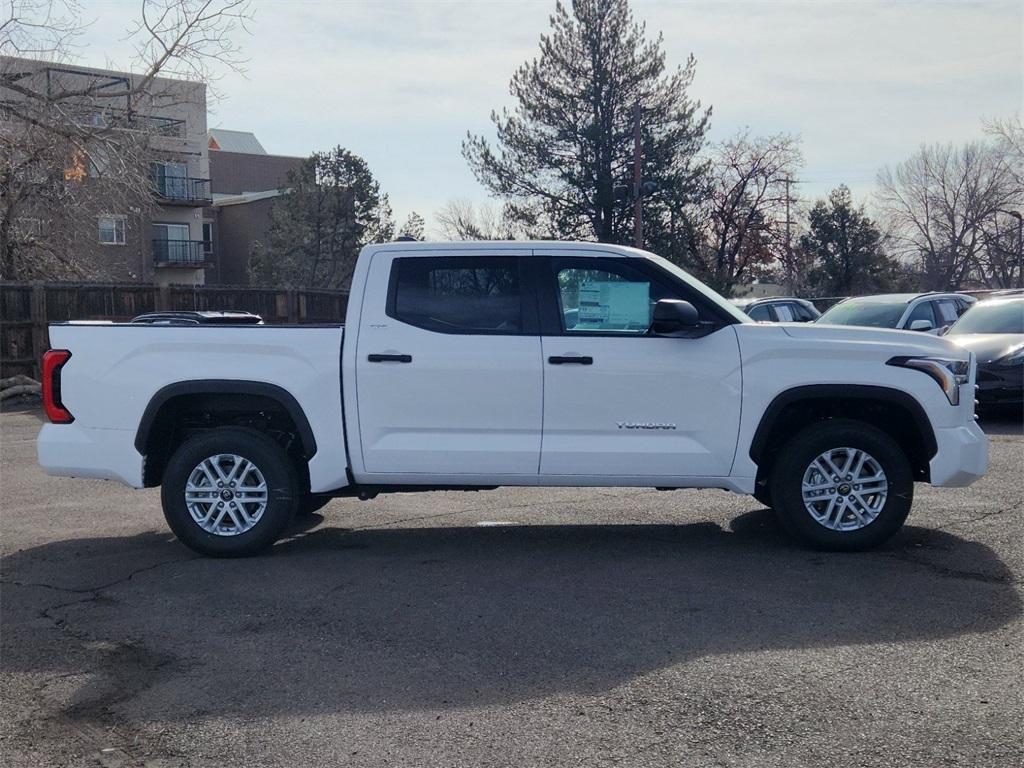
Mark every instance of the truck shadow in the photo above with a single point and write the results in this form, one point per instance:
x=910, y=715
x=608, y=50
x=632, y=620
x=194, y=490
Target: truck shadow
x=434, y=618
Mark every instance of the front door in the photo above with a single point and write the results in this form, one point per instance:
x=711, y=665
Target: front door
x=448, y=369
x=619, y=402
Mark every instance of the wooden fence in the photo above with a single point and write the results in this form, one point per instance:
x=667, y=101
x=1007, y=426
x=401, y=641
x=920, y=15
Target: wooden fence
x=27, y=308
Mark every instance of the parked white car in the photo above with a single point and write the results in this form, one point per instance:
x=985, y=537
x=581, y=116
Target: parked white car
x=779, y=309
x=476, y=365
x=928, y=312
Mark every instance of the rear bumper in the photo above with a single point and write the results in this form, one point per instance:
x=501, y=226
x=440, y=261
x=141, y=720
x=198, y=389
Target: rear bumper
x=69, y=450
x=962, y=456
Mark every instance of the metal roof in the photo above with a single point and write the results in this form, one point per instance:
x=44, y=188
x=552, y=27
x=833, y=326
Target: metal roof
x=234, y=141
x=221, y=199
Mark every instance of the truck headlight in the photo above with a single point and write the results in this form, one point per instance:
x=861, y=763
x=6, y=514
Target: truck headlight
x=949, y=374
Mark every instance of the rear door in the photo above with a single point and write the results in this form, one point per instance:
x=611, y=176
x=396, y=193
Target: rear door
x=448, y=371
x=619, y=403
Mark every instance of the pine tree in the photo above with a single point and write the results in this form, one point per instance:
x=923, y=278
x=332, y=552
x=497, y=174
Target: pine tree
x=846, y=247
x=413, y=227
x=333, y=207
x=569, y=142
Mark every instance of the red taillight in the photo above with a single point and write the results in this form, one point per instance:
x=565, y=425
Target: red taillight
x=53, y=361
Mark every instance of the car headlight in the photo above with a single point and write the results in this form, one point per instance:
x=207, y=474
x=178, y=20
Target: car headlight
x=949, y=374
x=1013, y=356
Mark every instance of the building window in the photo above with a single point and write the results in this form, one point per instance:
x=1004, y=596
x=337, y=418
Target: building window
x=99, y=162
x=208, y=239
x=171, y=180
x=76, y=170
x=111, y=230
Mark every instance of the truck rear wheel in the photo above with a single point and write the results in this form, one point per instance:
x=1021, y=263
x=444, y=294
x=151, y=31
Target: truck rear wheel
x=230, y=492
x=842, y=485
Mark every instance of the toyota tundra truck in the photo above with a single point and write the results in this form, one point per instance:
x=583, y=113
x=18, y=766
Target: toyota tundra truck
x=471, y=366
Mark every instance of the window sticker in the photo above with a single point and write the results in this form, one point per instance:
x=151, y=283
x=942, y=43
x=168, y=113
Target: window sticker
x=614, y=306
x=784, y=312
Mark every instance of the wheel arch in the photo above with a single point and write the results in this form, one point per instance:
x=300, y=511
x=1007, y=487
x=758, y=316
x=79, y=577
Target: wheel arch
x=893, y=411
x=239, y=396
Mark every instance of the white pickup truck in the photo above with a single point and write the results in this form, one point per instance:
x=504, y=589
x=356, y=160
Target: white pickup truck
x=477, y=365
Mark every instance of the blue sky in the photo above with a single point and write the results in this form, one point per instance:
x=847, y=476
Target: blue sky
x=863, y=83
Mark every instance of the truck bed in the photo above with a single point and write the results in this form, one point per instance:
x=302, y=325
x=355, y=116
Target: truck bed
x=116, y=370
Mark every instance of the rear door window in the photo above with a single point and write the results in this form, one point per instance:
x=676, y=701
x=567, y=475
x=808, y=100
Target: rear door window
x=471, y=295
x=947, y=311
x=803, y=314
x=784, y=313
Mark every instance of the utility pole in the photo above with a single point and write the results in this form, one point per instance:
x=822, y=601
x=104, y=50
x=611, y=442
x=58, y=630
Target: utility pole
x=1020, y=245
x=638, y=205
x=1020, y=250
x=789, y=248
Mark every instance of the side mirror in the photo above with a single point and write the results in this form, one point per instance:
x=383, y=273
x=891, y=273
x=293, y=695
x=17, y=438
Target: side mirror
x=921, y=325
x=673, y=316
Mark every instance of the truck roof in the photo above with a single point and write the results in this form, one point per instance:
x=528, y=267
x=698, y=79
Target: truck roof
x=521, y=245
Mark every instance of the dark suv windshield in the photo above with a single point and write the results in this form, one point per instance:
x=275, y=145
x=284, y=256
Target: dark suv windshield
x=991, y=317
x=872, y=313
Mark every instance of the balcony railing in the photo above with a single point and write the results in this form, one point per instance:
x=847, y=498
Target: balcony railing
x=182, y=189
x=97, y=120
x=186, y=253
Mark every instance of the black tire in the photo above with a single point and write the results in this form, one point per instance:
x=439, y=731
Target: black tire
x=284, y=491
x=763, y=495
x=796, y=456
x=311, y=503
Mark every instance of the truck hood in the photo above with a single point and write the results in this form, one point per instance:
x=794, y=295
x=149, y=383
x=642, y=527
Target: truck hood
x=900, y=342
x=988, y=347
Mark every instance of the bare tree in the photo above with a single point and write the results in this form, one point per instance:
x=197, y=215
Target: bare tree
x=74, y=140
x=461, y=220
x=943, y=202
x=38, y=28
x=738, y=232
x=1009, y=137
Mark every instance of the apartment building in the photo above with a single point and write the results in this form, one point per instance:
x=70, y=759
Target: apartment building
x=245, y=181
x=142, y=223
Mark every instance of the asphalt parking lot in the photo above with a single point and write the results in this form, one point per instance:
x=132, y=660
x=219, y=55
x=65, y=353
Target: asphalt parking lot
x=582, y=627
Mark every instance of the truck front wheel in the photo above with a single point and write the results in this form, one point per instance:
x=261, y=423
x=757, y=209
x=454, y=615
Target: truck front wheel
x=842, y=485
x=230, y=492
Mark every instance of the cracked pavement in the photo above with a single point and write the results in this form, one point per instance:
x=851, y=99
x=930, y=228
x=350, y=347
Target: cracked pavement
x=533, y=627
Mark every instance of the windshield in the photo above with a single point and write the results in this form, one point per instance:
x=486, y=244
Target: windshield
x=873, y=313
x=727, y=306
x=991, y=317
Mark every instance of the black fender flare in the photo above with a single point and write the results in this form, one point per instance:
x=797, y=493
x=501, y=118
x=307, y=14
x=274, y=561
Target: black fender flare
x=226, y=387
x=869, y=392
